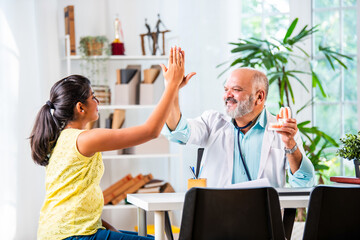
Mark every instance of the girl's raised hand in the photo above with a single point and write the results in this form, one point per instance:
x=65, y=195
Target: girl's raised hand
x=175, y=71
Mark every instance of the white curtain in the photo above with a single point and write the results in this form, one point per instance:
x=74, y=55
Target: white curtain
x=26, y=70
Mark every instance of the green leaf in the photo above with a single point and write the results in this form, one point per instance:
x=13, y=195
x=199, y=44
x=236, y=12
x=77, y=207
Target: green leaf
x=303, y=123
x=330, y=61
x=322, y=167
x=301, y=82
x=303, y=51
x=290, y=30
x=290, y=88
x=316, y=82
x=245, y=48
x=339, y=61
x=282, y=90
x=308, y=103
x=221, y=64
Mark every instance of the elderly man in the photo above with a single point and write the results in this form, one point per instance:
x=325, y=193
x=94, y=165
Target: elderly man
x=240, y=147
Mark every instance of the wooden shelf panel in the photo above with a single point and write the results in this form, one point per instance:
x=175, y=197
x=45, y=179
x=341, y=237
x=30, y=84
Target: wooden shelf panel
x=119, y=206
x=122, y=57
x=134, y=156
x=111, y=107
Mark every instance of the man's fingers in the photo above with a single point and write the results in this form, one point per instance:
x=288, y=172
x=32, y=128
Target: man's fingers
x=190, y=75
x=164, y=69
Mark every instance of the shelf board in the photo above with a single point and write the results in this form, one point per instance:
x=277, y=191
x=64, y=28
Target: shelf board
x=134, y=156
x=119, y=206
x=122, y=57
x=110, y=107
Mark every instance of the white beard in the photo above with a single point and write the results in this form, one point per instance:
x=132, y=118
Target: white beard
x=242, y=108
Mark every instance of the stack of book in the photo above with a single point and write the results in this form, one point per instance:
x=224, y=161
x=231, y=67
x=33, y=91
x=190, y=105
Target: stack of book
x=139, y=184
x=128, y=184
x=156, y=186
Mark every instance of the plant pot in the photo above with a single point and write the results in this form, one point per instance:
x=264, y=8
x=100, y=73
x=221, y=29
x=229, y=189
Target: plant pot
x=94, y=48
x=357, y=168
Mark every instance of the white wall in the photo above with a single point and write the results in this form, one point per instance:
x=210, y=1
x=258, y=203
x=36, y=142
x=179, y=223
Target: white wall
x=32, y=46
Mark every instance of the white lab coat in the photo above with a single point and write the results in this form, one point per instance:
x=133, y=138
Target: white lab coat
x=215, y=132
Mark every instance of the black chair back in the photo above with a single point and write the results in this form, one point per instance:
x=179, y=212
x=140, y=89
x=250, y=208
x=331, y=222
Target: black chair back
x=333, y=213
x=231, y=214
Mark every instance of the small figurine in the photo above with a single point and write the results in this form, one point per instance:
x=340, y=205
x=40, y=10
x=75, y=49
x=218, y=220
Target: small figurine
x=154, y=37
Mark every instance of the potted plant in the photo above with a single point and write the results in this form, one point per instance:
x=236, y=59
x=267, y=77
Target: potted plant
x=93, y=45
x=95, y=51
x=351, y=150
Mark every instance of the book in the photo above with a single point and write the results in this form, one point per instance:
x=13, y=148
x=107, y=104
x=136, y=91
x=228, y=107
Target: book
x=154, y=183
x=111, y=192
x=342, y=179
x=149, y=190
x=118, y=118
x=167, y=188
x=139, y=181
x=70, y=27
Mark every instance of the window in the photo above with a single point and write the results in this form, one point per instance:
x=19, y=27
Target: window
x=336, y=115
x=266, y=19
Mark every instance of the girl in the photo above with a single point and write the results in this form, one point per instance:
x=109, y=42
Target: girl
x=74, y=167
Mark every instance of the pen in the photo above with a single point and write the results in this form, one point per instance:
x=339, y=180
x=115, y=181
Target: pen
x=200, y=172
x=192, y=172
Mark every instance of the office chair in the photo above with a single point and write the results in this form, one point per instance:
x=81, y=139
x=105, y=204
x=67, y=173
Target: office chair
x=231, y=214
x=333, y=213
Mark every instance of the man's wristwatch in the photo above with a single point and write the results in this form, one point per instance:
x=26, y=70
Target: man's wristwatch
x=292, y=150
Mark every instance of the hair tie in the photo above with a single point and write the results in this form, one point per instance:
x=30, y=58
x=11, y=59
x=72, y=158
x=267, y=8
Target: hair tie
x=50, y=104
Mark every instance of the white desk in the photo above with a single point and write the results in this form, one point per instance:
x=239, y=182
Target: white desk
x=161, y=202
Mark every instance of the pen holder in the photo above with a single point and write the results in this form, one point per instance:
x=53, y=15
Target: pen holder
x=200, y=182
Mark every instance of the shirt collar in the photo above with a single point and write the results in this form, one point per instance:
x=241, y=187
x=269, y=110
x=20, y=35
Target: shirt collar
x=261, y=121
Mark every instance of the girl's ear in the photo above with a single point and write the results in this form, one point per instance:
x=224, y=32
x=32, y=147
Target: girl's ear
x=79, y=107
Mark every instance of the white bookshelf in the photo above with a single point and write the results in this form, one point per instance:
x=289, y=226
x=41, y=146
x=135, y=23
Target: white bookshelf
x=125, y=107
x=135, y=156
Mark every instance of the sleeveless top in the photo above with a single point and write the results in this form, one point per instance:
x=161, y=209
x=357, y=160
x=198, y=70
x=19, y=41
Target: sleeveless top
x=74, y=201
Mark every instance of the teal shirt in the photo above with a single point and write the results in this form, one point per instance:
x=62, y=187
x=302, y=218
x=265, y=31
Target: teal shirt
x=248, y=142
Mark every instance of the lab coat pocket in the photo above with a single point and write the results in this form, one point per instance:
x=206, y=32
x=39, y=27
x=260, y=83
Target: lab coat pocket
x=277, y=169
x=277, y=158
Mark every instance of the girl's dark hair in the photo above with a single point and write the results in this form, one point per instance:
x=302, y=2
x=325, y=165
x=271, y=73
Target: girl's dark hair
x=55, y=114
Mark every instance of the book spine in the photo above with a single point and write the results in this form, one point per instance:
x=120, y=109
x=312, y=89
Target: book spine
x=70, y=27
x=117, y=184
x=118, y=76
x=117, y=188
x=121, y=189
x=140, y=181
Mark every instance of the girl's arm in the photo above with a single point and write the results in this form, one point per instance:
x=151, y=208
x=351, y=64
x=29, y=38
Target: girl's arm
x=99, y=140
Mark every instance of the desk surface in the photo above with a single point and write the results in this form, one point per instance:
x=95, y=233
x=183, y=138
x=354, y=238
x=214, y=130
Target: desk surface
x=175, y=201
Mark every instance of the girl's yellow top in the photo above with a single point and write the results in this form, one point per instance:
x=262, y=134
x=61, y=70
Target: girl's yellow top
x=74, y=200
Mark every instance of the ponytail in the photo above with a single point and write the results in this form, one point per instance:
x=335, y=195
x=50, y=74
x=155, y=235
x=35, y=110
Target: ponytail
x=44, y=135
x=55, y=114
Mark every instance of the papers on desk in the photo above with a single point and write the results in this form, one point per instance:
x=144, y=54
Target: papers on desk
x=296, y=191
x=262, y=182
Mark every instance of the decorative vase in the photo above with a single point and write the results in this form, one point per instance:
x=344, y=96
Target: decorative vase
x=357, y=168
